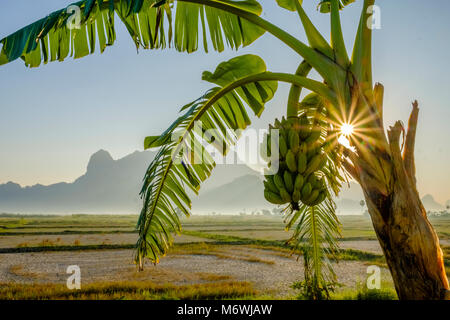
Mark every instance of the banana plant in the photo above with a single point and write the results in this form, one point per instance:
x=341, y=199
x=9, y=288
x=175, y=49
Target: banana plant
x=315, y=235
x=385, y=171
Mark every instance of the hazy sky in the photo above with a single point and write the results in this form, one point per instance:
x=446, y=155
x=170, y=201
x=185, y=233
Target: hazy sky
x=54, y=117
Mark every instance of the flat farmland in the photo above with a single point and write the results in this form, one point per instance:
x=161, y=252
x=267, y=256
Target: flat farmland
x=214, y=257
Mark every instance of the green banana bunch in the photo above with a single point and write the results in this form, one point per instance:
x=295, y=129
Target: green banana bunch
x=300, y=176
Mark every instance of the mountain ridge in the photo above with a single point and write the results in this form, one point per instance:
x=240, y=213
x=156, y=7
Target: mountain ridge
x=113, y=186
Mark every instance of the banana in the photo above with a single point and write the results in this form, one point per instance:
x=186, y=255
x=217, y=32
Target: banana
x=312, y=179
x=288, y=182
x=294, y=141
x=306, y=190
x=314, y=136
x=301, y=156
x=323, y=162
x=312, y=197
x=277, y=124
x=311, y=153
x=305, y=129
x=265, y=154
x=285, y=195
x=301, y=162
x=320, y=184
x=273, y=197
x=304, y=148
x=269, y=146
x=283, y=146
x=315, y=163
x=320, y=198
x=279, y=182
x=298, y=182
x=270, y=185
x=290, y=161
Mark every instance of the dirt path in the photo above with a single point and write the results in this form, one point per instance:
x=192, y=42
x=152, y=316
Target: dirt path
x=269, y=271
x=373, y=245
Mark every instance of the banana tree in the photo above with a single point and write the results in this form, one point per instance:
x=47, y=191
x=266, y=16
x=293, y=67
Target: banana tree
x=375, y=159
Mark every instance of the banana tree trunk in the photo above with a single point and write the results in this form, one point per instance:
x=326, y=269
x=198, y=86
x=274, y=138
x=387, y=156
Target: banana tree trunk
x=409, y=243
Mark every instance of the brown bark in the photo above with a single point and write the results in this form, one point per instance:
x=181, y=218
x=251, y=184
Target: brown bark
x=408, y=240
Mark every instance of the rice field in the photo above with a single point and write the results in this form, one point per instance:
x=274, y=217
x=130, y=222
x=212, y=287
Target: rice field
x=215, y=257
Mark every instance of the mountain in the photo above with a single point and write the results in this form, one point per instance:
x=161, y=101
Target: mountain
x=108, y=186
x=112, y=186
x=245, y=193
x=430, y=204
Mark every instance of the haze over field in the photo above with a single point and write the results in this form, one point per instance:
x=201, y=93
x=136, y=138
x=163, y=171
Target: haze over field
x=112, y=186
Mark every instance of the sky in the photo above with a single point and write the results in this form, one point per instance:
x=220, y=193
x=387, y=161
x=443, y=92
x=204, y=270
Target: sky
x=53, y=118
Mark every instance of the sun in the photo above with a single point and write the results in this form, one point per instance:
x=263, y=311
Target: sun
x=346, y=129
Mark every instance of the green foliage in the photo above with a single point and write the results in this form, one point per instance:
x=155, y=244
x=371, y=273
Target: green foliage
x=183, y=164
x=151, y=24
x=313, y=289
x=316, y=233
x=376, y=294
x=386, y=292
x=289, y=4
x=325, y=5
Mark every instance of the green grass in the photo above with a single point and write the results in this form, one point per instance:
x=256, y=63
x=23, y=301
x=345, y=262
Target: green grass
x=366, y=294
x=129, y=290
x=386, y=292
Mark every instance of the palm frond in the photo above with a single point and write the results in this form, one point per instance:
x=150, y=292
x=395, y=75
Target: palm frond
x=151, y=24
x=178, y=168
x=316, y=234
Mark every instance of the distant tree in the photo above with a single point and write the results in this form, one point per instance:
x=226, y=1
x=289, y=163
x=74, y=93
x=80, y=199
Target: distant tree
x=362, y=203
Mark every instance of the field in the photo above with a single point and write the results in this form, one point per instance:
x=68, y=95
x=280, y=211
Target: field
x=215, y=257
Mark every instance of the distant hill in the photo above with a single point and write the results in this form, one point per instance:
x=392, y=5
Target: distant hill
x=112, y=186
x=245, y=193
x=108, y=186
x=430, y=204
